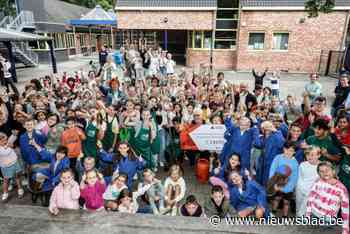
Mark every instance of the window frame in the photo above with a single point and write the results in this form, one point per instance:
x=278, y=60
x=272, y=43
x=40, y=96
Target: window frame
x=264, y=43
x=273, y=40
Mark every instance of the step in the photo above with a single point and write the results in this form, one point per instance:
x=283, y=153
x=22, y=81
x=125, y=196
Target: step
x=31, y=219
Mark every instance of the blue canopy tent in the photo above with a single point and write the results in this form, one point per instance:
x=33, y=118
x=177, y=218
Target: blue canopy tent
x=99, y=18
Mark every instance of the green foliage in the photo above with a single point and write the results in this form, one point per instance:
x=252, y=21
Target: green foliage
x=105, y=4
x=314, y=7
x=7, y=8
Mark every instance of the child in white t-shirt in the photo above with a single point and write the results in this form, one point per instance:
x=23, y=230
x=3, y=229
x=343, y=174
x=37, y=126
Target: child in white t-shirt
x=170, y=65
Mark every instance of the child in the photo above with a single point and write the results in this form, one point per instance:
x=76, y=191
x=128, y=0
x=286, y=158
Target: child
x=126, y=202
x=191, y=207
x=9, y=164
x=50, y=177
x=155, y=191
x=275, y=84
x=248, y=198
x=220, y=174
x=175, y=188
x=217, y=204
x=113, y=190
x=29, y=153
x=66, y=194
x=307, y=177
x=328, y=196
x=170, y=65
x=285, y=193
x=126, y=163
x=92, y=188
x=72, y=138
x=88, y=165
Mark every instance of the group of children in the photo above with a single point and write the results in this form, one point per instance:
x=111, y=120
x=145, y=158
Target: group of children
x=97, y=143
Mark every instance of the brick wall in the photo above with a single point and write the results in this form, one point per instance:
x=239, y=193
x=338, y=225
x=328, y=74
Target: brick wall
x=179, y=20
x=222, y=59
x=306, y=40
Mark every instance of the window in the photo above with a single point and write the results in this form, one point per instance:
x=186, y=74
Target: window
x=227, y=17
x=280, y=41
x=59, y=40
x=199, y=39
x=256, y=41
x=70, y=40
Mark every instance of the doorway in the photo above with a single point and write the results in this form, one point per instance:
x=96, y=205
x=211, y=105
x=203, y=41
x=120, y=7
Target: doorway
x=176, y=44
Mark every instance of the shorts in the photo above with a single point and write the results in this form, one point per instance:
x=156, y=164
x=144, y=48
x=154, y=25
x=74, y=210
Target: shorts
x=11, y=171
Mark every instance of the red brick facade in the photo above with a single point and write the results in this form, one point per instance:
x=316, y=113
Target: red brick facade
x=306, y=39
x=179, y=20
x=222, y=59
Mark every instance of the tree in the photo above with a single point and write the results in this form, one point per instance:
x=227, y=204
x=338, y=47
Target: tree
x=314, y=7
x=7, y=7
x=105, y=4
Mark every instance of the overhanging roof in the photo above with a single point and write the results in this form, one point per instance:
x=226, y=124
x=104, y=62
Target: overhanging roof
x=166, y=4
x=285, y=3
x=12, y=35
x=97, y=16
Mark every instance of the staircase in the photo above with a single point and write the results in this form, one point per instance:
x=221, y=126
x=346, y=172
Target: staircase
x=21, y=50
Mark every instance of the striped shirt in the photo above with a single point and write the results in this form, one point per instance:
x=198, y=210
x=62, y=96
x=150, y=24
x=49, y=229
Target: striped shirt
x=326, y=199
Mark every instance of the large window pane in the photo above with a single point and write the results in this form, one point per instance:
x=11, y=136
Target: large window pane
x=226, y=24
x=225, y=14
x=280, y=41
x=207, y=39
x=225, y=44
x=225, y=34
x=227, y=3
x=256, y=41
x=198, y=39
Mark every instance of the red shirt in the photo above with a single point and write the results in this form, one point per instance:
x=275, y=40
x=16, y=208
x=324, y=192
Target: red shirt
x=343, y=137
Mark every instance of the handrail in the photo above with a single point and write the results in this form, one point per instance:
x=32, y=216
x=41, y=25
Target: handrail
x=5, y=21
x=25, y=18
x=25, y=49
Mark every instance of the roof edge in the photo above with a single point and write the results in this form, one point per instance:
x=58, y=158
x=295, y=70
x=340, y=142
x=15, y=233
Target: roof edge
x=284, y=8
x=166, y=8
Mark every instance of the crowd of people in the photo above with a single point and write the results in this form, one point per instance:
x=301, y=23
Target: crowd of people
x=96, y=139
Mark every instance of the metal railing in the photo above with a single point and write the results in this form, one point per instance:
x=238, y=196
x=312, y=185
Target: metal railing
x=24, y=49
x=24, y=19
x=6, y=21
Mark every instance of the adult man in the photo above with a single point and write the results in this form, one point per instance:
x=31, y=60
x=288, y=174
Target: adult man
x=341, y=93
x=102, y=56
x=6, y=68
x=313, y=88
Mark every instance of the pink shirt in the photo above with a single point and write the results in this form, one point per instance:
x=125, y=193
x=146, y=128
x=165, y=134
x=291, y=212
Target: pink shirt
x=65, y=198
x=93, y=195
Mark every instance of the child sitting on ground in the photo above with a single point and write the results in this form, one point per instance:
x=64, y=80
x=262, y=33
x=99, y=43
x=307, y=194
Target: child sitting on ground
x=10, y=167
x=113, y=190
x=92, y=188
x=217, y=204
x=191, y=207
x=66, y=194
x=126, y=202
x=175, y=188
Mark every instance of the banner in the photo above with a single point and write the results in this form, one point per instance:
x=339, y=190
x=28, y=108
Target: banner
x=209, y=137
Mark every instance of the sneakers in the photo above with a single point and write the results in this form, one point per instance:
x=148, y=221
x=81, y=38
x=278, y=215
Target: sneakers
x=4, y=197
x=20, y=193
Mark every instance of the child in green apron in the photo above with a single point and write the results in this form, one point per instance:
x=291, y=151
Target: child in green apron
x=142, y=137
x=91, y=131
x=112, y=129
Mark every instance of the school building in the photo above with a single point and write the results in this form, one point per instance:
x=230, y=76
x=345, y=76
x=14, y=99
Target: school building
x=239, y=34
